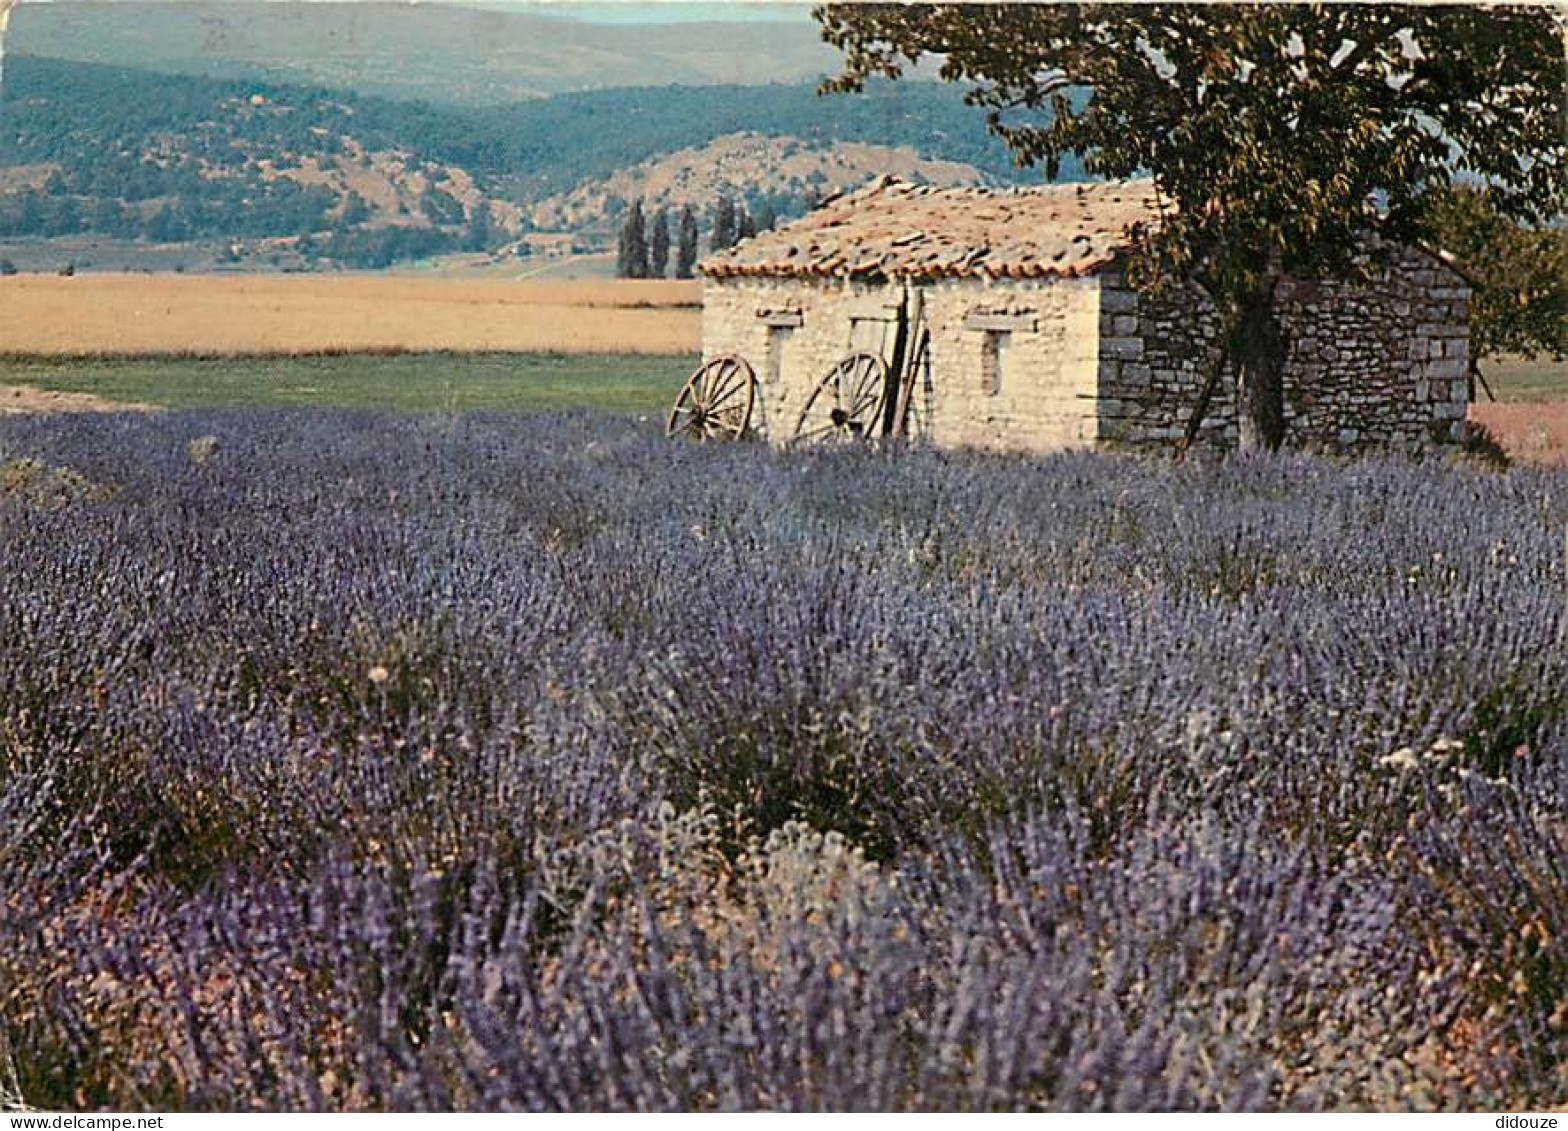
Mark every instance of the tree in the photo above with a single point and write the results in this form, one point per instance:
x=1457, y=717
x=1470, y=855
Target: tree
x=725, y=230
x=165, y=226
x=479, y=233
x=767, y=217
x=1518, y=275
x=355, y=210
x=30, y=215
x=745, y=226
x=686, y=248
x=107, y=216
x=659, y=244
x=631, y=259
x=1267, y=129
x=441, y=208
x=62, y=216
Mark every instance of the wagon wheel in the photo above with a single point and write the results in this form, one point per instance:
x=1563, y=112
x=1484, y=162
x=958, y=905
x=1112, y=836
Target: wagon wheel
x=716, y=401
x=847, y=403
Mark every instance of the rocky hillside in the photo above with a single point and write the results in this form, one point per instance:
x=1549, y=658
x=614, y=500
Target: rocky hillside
x=317, y=176
x=785, y=171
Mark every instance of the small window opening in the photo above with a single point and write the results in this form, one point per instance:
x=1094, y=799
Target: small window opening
x=778, y=337
x=993, y=360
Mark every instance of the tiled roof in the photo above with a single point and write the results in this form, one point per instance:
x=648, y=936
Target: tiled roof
x=894, y=229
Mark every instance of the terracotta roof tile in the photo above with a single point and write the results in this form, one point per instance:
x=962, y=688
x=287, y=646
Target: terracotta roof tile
x=892, y=228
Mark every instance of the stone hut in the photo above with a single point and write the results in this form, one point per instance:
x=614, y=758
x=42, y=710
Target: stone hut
x=1006, y=316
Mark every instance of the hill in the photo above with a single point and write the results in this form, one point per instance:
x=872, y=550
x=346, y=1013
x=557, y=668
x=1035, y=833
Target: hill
x=779, y=172
x=435, y=52
x=261, y=167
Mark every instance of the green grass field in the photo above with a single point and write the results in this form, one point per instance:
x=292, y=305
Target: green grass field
x=618, y=383
x=1515, y=379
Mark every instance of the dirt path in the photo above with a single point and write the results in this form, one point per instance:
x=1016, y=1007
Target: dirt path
x=18, y=400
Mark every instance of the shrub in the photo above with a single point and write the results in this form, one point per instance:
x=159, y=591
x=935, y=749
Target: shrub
x=1479, y=443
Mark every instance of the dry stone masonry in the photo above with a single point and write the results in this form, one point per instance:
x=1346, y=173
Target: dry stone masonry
x=1381, y=364
x=1037, y=343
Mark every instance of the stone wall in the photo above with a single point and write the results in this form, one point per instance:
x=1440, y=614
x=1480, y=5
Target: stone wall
x=1376, y=365
x=1040, y=365
x=1382, y=365
x=1153, y=361
x=749, y=316
x=1044, y=337
x=1042, y=334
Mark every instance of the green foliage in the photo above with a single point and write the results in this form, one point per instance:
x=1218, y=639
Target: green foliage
x=441, y=208
x=725, y=225
x=1268, y=128
x=631, y=254
x=1507, y=727
x=686, y=253
x=1480, y=444
x=618, y=383
x=374, y=248
x=659, y=244
x=41, y=485
x=1519, y=274
x=170, y=158
x=479, y=234
x=355, y=210
x=89, y=118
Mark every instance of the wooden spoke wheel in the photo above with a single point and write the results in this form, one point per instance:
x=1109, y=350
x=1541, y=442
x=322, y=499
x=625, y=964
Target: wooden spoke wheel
x=847, y=403
x=716, y=401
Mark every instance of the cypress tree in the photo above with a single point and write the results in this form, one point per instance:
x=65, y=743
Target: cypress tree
x=745, y=226
x=639, y=243
x=725, y=231
x=631, y=254
x=623, y=249
x=659, y=244
x=686, y=253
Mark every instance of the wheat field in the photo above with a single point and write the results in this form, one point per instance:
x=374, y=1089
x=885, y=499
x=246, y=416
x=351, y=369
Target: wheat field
x=283, y=314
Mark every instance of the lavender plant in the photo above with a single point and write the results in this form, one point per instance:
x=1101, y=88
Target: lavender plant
x=401, y=762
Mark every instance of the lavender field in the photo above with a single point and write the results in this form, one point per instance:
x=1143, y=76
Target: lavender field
x=358, y=761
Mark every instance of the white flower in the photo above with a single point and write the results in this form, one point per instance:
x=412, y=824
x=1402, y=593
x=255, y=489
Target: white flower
x=379, y=674
x=1402, y=759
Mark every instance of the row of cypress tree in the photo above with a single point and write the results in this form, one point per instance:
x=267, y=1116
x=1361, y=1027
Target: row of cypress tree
x=643, y=249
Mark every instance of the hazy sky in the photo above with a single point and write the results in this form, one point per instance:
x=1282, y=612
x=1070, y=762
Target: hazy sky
x=659, y=11
x=616, y=11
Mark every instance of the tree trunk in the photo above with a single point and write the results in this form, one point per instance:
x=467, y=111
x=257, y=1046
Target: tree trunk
x=1257, y=356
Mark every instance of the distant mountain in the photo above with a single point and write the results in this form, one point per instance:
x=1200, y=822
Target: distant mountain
x=436, y=52
x=262, y=169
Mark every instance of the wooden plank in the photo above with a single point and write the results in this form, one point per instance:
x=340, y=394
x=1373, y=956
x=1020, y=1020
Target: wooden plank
x=875, y=309
x=781, y=319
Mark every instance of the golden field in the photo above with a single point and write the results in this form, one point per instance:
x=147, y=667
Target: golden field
x=300, y=314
